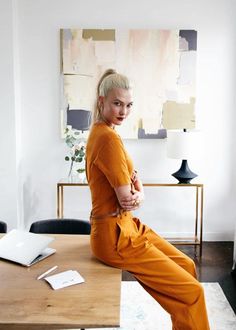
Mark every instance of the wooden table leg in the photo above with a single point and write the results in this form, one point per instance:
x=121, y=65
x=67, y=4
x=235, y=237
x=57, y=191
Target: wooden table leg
x=60, y=201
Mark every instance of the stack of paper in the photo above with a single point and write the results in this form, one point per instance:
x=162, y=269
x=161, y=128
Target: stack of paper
x=64, y=279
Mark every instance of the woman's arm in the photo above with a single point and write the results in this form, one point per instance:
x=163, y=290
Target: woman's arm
x=129, y=197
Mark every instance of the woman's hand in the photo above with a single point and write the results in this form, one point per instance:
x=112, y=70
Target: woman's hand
x=132, y=202
x=136, y=182
x=134, y=176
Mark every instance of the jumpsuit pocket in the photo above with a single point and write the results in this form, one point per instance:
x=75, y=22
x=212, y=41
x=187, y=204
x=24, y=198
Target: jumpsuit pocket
x=132, y=236
x=104, y=237
x=132, y=239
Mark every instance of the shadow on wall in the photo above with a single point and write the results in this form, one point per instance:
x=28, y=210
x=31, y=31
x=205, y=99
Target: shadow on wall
x=31, y=201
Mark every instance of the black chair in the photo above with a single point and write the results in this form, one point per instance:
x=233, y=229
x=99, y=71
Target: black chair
x=3, y=227
x=61, y=226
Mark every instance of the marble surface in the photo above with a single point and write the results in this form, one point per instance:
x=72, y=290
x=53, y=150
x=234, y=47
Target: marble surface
x=139, y=311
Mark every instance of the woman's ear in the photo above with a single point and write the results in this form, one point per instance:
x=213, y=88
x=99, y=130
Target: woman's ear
x=100, y=100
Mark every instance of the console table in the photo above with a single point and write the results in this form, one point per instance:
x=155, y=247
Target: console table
x=196, y=240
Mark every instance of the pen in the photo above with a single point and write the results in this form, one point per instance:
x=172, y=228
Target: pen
x=47, y=272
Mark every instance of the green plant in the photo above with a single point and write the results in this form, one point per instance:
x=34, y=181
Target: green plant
x=77, y=148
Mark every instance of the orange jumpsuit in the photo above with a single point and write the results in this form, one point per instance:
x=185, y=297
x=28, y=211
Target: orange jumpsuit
x=120, y=240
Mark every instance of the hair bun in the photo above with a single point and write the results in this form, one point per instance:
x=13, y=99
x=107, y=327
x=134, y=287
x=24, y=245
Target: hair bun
x=107, y=73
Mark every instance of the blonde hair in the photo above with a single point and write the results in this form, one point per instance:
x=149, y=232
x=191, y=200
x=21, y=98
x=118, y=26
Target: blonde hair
x=109, y=80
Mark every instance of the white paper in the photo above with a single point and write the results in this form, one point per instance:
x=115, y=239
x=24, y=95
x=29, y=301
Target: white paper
x=64, y=279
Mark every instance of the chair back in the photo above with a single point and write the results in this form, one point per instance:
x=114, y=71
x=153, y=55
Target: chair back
x=61, y=226
x=3, y=227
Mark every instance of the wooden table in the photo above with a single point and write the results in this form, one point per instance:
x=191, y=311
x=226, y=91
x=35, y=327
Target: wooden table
x=27, y=303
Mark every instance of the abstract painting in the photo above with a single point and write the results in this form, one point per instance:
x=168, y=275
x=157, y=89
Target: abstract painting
x=160, y=63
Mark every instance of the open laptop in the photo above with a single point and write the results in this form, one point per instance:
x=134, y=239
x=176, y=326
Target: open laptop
x=24, y=247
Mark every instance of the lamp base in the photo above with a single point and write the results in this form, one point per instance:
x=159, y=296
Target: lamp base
x=184, y=174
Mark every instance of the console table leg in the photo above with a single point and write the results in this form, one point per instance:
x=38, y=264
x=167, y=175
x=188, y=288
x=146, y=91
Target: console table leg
x=201, y=220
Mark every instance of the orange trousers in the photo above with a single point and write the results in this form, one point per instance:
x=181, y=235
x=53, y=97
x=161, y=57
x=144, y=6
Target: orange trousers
x=165, y=272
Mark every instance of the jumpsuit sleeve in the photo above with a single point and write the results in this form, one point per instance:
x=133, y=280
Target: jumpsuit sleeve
x=111, y=161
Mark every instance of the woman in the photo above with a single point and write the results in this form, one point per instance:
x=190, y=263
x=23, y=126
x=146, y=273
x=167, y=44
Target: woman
x=117, y=238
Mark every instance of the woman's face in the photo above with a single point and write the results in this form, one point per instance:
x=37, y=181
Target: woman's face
x=116, y=106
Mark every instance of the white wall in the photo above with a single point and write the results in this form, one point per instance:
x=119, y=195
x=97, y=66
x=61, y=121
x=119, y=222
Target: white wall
x=34, y=80
x=8, y=147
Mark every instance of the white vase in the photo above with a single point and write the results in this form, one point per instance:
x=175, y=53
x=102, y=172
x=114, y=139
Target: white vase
x=77, y=173
x=82, y=177
x=72, y=174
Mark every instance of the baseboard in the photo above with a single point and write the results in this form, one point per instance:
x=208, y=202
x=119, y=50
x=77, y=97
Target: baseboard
x=225, y=236
x=207, y=236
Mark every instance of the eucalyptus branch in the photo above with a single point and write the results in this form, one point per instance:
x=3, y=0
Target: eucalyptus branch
x=77, y=148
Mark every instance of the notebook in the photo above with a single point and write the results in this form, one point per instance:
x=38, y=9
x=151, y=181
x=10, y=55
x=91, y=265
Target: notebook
x=24, y=247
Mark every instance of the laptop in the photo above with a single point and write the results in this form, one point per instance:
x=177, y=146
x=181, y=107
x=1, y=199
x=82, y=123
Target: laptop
x=24, y=247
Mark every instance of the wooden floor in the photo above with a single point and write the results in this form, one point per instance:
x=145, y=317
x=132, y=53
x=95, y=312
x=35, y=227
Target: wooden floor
x=214, y=266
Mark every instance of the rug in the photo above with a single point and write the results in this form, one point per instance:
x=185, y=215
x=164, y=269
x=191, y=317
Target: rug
x=139, y=311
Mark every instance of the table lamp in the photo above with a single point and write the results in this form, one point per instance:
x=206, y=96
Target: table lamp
x=182, y=145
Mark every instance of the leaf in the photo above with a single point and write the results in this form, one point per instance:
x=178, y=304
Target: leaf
x=81, y=170
x=81, y=153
